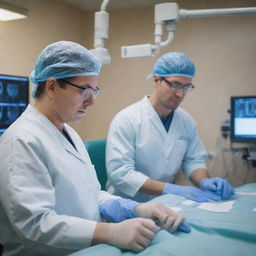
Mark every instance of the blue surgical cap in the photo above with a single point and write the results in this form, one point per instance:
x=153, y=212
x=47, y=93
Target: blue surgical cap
x=174, y=64
x=64, y=59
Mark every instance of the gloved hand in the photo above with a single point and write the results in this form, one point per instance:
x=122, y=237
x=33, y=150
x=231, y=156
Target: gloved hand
x=133, y=234
x=185, y=227
x=163, y=215
x=217, y=185
x=116, y=210
x=191, y=193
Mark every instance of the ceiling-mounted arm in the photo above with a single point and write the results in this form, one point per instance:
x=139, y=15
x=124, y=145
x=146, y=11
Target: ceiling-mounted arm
x=104, y=5
x=168, y=14
x=184, y=14
x=101, y=21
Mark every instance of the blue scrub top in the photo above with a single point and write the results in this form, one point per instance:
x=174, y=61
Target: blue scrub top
x=167, y=122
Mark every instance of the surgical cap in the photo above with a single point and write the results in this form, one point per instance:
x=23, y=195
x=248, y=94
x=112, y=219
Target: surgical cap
x=174, y=64
x=64, y=59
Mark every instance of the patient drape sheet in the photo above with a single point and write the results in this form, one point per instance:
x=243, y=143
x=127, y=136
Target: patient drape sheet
x=212, y=233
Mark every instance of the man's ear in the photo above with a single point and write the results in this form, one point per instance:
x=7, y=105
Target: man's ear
x=50, y=86
x=156, y=80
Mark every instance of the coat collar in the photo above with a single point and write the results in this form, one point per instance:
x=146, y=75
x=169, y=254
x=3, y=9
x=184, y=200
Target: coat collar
x=167, y=137
x=153, y=116
x=57, y=135
x=78, y=152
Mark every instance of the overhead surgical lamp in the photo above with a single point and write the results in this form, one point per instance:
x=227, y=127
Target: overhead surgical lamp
x=101, y=21
x=169, y=14
x=9, y=11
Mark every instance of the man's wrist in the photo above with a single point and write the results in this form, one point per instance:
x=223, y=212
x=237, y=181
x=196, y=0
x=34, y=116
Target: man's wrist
x=167, y=189
x=152, y=187
x=100, y=233
x=198, y=175
x=202, y=181
x=131, y=208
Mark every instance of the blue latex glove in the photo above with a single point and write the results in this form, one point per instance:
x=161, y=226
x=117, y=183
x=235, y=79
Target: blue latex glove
x=117, y=210
x=191, y=193
x=218, y=185
x=184, y=226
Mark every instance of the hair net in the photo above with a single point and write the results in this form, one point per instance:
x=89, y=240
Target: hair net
x=174, y=64
x=64, y=59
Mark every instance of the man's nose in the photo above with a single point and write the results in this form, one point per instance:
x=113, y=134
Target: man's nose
x=180, y=93
x=89, y=101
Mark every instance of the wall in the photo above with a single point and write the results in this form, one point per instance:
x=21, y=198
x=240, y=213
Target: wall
x=48, y=21
x=222, y=48
x=225, y=55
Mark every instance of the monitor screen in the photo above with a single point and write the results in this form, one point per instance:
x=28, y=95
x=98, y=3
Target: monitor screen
x=14, y=96
x=243, y=119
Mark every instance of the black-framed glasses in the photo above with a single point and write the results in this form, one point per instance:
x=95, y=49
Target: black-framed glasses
x=176, y=86
x=86, y=91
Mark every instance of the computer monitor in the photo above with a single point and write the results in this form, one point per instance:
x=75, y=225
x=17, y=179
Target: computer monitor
x=14, y=97
x=243, y=119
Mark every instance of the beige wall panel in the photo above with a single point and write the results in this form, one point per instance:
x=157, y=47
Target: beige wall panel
x=48, y=21
x=222, y=48
x=225, y=55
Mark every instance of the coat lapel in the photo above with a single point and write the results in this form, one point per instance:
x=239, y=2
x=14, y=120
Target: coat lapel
x=78, y=152
x=154, y=118
x=168, y=138
x=57, y=135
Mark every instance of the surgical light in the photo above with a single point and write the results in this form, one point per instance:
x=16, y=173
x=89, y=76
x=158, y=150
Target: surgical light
x=11, y=12
x=169, y=14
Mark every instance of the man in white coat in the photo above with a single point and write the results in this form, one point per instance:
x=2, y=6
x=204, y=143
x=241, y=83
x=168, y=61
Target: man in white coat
x=151, y=140
x=50, y=198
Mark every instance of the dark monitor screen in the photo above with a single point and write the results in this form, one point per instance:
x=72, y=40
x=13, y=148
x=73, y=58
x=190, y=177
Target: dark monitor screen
x=243, y=119
x=14, y=96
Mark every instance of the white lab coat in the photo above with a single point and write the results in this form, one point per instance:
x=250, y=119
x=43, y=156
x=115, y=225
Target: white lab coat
x=49, y=193
x=138, y=148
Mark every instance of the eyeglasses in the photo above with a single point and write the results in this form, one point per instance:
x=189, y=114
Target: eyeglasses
x=176, y=86
x=86, y=91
